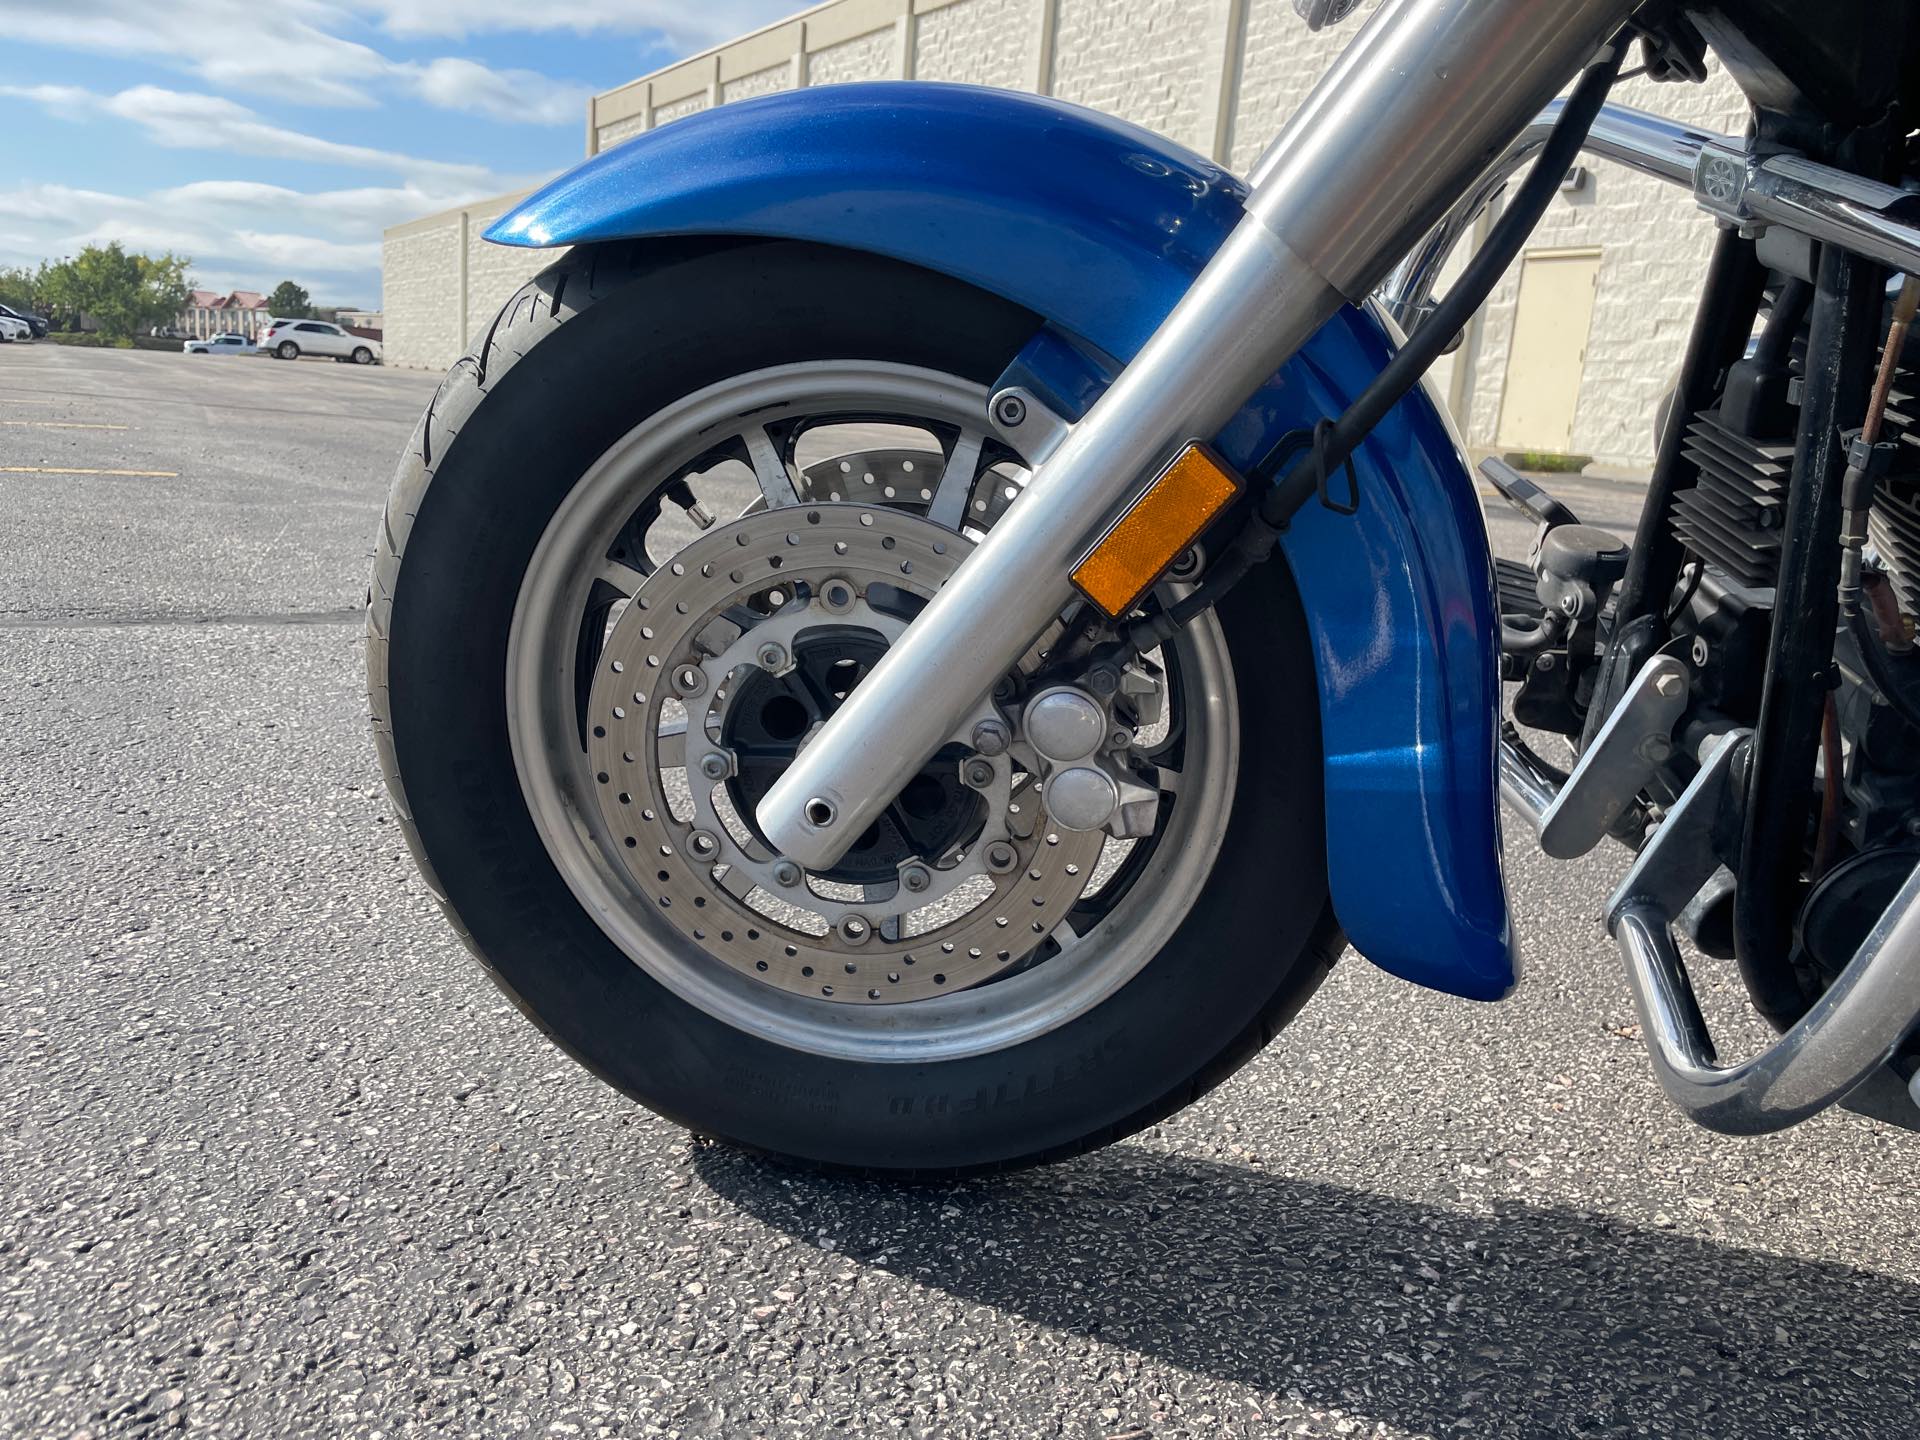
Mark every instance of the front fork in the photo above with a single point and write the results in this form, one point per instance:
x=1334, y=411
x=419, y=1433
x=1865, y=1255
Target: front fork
x=1425, y=99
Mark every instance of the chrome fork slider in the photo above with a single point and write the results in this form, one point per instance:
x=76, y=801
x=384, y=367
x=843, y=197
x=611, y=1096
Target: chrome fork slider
x=1336, y=200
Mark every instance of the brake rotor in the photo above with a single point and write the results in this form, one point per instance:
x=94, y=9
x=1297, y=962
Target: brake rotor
x=771, y=606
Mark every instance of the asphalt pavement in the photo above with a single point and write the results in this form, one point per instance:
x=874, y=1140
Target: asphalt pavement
x=277, y=1161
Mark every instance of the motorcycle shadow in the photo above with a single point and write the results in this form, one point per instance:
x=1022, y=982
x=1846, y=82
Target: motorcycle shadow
x=1528, y=1321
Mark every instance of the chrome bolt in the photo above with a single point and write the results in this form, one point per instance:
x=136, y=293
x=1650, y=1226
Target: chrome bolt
x=977, y=773
x=786, y=873
x=689, y=680
x=1120, y=739
x=1700, y=651
x=1544, y=664
x=771, y=656
x=702, y=845
x=1570, y=604
x=990, y=738
x=714, y=765
x=854, y=930
x=916, y=878
x=1103, y=680
x=1000, y=857
x=1010, y=410
x=1669, y=685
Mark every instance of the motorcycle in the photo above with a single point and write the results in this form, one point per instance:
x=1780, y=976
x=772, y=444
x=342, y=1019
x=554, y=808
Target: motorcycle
x=918, y=639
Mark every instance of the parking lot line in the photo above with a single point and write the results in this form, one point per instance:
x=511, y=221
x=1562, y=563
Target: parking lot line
x=60, y=425
x=65, y=470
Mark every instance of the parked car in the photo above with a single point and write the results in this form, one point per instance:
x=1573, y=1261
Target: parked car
x=12, y=329
x=221, y=345
x=37, y=325
x=290, y=339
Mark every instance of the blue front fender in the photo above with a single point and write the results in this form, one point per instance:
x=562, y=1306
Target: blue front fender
x=1100, y=227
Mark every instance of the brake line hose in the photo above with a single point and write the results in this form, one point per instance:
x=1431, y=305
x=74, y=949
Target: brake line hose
x=1329, y=447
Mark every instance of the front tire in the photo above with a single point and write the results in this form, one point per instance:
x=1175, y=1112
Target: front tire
x=362, y=355
x=602, y=341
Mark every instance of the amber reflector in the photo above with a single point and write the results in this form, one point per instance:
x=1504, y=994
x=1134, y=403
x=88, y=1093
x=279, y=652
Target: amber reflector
x=1162, y=521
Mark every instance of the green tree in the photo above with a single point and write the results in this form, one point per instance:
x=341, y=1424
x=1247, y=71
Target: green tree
x=19, y=287
x=289, y=302
x=124, y=293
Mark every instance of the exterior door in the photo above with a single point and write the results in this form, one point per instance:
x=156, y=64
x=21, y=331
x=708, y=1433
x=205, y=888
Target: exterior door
x=1548, y=353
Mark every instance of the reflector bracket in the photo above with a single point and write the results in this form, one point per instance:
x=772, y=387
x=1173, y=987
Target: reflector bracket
x=1163, y=520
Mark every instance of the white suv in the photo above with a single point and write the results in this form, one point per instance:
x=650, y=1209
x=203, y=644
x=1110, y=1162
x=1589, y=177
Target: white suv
x=290, y=339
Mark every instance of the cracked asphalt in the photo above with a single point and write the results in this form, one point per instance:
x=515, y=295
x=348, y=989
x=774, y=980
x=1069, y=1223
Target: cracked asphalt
x=277, y=1161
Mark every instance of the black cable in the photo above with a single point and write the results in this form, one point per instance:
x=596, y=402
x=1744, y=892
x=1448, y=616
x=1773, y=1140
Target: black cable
x=1469, y=293
x=1330, y=445
x=1686, y=595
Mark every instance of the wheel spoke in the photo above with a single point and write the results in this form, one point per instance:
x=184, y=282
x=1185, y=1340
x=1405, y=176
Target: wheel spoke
x=776, y=483
x=621, y=576
x=1166, y=780
x=949, y=506
x=671, y=747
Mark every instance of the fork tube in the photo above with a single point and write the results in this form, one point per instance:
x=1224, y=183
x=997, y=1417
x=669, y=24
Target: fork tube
x=1428, y=96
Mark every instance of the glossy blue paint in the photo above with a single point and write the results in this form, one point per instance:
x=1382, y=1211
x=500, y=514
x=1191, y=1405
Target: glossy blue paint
x=1100, y=227
x=1021, y=195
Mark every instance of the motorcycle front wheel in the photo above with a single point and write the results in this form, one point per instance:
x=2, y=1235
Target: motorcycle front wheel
x=674, y=504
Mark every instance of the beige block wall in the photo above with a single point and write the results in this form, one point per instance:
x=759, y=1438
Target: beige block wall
x=1221, y=76
x=442, y=283
x=979, y=42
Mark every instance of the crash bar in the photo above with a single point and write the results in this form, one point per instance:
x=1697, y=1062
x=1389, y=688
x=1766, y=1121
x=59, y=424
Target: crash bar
x=1849, y=1033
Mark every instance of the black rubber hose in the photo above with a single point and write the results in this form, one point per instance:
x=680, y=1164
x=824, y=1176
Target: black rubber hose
x=1468, y=294
x=1880, y=667
x=1400, y=374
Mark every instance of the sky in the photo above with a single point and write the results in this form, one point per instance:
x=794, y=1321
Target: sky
x=274, y=140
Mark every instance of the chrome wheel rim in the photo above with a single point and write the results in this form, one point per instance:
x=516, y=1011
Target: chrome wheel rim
x=560, y=679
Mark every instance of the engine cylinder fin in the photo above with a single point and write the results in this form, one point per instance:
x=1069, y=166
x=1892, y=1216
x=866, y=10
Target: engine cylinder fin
x=1731, y=518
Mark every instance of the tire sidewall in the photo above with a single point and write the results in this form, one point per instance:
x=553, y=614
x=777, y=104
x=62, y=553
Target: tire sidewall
x=1251, y=949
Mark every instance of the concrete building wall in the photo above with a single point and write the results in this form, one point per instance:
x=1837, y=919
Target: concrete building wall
x=441, y=282
x=1221, y=76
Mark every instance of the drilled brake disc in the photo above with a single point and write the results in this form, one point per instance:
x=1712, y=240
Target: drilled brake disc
x=767, y=594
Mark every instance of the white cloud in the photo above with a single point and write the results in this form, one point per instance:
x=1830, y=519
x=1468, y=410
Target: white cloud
x=292, y=50
x=240, y=234
x=280, y=47
x=677, y=23
x=454, y=84
x=207, y=122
